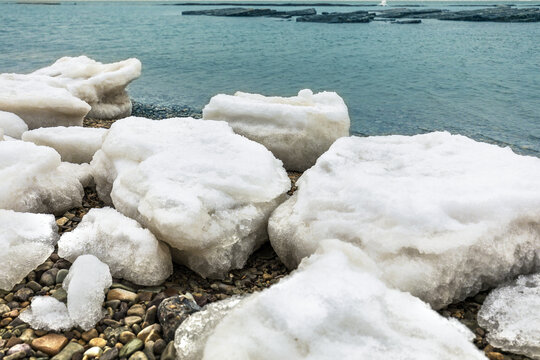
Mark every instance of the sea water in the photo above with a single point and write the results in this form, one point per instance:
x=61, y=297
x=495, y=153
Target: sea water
x=477, y=79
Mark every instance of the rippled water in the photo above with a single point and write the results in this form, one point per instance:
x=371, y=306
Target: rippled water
x=477, y=79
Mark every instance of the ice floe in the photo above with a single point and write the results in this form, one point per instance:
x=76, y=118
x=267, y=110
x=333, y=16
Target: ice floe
x=12, y=125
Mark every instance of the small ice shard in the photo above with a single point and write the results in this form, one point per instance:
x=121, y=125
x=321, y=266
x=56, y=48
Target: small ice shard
x=194, y=184
x=27, y=240
x=40, y=101
x=192, y=334
x=131, y=252
x=442, y=215
x=296, y=130
x=75, y=144
x=333, y=307
x=12, y=125
x=32, y=181
x=103, y=86
x=86, y=283
x=511, y=315
x=47, y=313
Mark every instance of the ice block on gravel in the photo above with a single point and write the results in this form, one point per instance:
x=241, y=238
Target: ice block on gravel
x=132, y=253
x=296, y=129
x=12, y=125
x=47, y=313
x=27, y=240
x=442, y=215
x=194, y=184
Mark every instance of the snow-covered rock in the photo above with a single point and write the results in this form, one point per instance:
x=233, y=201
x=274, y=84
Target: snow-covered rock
x=332, y=308
x=442, y=215
x=297, y=129
x=26, y=240
x=75, y=144
x=195, y=184
x=131, y=252
x=511, y=315
x=12, y=125
x=47, y=313
x=103, y=86
x=40, y=101
x=32, y=180
x=86, y=283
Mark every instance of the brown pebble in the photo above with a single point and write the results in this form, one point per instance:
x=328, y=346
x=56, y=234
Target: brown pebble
x=126, y=337
x=89, y=335
x=495, y=356
x=50, y=344
x=145, y=296
x=5, y=322
x=122, y=295
x=99, y=342
x=13, y=341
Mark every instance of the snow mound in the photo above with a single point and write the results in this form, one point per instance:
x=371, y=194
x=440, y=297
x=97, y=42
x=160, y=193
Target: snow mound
x=332, y=308
x=131, y=252
x=194, y=184
x=296, y=130
x=12, y=125
x=27, y=240
x=75, y=144
x=86, y=283
x=103, y=86
x=32, y=180
x=47, y=313
x=40, y=101
x=442, y=215
x=511, y=316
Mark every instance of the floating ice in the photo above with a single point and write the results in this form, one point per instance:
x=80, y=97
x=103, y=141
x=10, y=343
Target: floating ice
x=442, y=215
x=27, y=240
x=195, y=184
x=40, y=101
x=103, y=86
x=131, y=252
x=75, y=144
x=12, y=125
x=511, y=315
x=47, y=313
x=297, y=129
x=332, y=308
x=32, y=180
x=86, y=283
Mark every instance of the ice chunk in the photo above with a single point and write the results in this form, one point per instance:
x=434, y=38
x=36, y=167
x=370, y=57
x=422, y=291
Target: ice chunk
x=47, y=313
x=195, y=184
x=442, y=215
x=131, y=252
x=27, y=240
x=31, y=180
x=75, y=144
x=12, y=125
x=511, y=315
x=40, y=101
x=103, y=86
x=332, y=308
x=297, y=129
x=86, y=283
x=83, y=172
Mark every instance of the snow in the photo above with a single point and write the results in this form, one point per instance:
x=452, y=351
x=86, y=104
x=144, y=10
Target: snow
x=47, y=313
x=103, y=86
x=317, y=313
x=40, y=101
x=83, y=172
x=27, y=240
x=74, y=144
x=194, y=184
x=443, y=216
x=131, y=252
x=297, y=129
x=511, y=316
x=32, y=180
x=86, y=283
x=12, y=125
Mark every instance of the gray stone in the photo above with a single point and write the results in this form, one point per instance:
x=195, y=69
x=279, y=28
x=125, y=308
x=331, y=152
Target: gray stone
x=169, y=353
x=67, y=353
x=34, y=286
x=61, y=275
x=49, y=277
x=131, y=347
x=23, y=294
x=109, y=354
x=173, y=311
x=60, y=295
x=139, y=355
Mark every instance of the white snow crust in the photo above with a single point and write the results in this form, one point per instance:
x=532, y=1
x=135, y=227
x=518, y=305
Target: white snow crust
x=32, y=180
x=12, y=125
x=75, y=144
x=442, y=215
x=131, y=252
x=296, y=129
x=47, y=313
x=194, y=184
x=27, y=240
x=511, y=315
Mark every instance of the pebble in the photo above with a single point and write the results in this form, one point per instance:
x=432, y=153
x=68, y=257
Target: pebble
x=13, y=341
x=151, y=315
x=50, y=344
x=49, y=277
x=69, y=351
x=61, y=275
x=173, y=311
x=495, y=356
x=149, y=350
x=20, y=347
x=23, y=294
x=60, y=295
x=126, y=337
x=109, y=354
x=132, y=320
x=89, y=335
x=159, y=346
x=34, y=286
x=4, y=309
x=170, y=352
x=136, y=310
x=15, y=356
x=99, y=342
x=139, y=355
x=122, y=295
x=93, y=352
x=144, y=333
x=27, y=336
x=131, y=347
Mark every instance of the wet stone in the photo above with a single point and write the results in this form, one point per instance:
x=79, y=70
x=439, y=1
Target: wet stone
x=23, y=294
x=173, y=311
x=69, y=351
x=131, y=347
